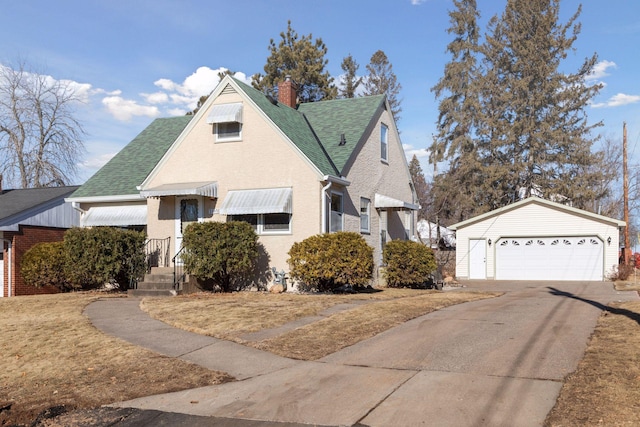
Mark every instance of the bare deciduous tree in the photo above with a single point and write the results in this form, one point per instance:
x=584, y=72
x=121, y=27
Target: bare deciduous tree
x=41, y=141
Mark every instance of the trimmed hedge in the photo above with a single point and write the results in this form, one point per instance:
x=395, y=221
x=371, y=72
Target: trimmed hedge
x=103, y=255
x=225, y=253
x=328, y=261
x=408, y=263
x=43, y=265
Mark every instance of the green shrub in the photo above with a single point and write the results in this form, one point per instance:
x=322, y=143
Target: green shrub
x=327, y=261
x=100, y=255
x=43, y=265
x=225, y=253
x=408, y=264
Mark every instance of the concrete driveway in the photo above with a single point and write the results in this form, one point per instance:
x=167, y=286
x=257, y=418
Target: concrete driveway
x=496, y=362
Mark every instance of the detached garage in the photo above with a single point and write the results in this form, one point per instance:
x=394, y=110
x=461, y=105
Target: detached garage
x=535, y=239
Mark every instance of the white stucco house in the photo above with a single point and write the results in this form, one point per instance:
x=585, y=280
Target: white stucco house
x=536, y=239
x=291, y=170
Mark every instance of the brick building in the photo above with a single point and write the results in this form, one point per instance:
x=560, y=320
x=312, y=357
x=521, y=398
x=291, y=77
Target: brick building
x=27, y=217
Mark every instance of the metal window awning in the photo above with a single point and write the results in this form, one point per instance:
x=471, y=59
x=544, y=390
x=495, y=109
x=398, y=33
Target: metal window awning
x=115, y=216
x=269, y=200
x=225, y=113
x=207, y=189
x=386, y=202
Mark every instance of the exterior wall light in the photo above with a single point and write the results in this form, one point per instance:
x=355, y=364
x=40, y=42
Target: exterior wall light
x=609, y=240
x=489, y=241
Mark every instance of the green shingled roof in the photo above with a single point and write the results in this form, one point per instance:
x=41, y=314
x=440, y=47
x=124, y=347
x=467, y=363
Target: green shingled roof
x=331, y=119
x=295, y=126
x=315, y=128
x=127, y=169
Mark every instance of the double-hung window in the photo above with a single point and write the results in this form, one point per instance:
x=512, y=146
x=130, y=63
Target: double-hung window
x=365, y=215
x=273, y=223
x=227, y=121
x=336, y=221
x=384, y=143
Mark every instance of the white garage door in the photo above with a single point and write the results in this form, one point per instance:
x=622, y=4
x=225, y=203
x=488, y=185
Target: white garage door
x=549, y=258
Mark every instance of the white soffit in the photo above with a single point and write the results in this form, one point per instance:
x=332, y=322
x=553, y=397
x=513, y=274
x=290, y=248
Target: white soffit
x=115, y=216
x=269, y=200
x=225, y=113
x=207, y=189
x=386, y=202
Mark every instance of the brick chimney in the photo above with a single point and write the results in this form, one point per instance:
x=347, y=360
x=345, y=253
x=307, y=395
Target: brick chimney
x=287, y=93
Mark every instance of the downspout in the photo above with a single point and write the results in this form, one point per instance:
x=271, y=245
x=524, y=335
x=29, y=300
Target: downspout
x=330, y=181
x=9, y=252
x=324, y=207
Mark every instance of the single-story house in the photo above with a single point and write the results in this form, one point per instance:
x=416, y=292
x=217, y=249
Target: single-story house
x=27, y=217
x=537, y=239
x=292, y=171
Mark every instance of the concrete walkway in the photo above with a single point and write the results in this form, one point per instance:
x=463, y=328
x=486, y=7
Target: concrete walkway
x=493, y=362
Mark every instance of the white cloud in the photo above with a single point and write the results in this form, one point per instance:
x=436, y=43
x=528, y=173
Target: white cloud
x=410, y=151
x=618, y=100
x=600, y=70
x=155, y=98
x=125, y=109
x=417, y=2
x=185, y=95
x=96, y=162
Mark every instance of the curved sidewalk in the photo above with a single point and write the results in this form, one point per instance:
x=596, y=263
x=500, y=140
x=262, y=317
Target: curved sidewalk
x=499, y=361
x=124, y=319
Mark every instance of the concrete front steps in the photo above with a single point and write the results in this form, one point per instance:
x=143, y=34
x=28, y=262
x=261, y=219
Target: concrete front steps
x=158, y=283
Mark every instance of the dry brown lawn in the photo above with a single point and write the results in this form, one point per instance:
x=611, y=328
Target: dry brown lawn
x=229, y=316
x=605, y=389
x=52, y=355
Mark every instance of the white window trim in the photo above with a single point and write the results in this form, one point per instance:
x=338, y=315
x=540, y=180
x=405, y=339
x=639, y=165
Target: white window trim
x=384, y=142
x=261, y=231
x=366, y=230
x=341, y=211
x=227, y=139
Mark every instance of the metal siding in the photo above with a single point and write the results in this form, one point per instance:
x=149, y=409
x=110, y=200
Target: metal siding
x=271, y=200
x=533, y=220
x=60, y=216
x=115, y=216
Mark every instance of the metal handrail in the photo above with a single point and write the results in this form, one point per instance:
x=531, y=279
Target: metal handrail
x=179, y=275
x=157, y=253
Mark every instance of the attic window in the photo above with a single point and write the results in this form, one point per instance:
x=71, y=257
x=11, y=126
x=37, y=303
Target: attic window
x=227, y=121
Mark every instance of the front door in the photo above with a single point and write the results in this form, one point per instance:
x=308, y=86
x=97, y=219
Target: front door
x=188, y=210
x=477, y=259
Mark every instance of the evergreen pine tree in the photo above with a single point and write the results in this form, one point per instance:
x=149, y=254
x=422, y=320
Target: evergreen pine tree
x=382, y=80
x=303, y=59
x=350, y=80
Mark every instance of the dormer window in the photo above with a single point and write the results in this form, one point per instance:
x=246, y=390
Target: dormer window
x=227, y=121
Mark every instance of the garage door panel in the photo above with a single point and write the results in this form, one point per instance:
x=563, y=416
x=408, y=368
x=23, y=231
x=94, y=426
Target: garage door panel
x=549, y=258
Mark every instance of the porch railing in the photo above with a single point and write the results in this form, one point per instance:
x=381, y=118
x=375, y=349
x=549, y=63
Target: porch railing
x=156, y=253
x=179, y=275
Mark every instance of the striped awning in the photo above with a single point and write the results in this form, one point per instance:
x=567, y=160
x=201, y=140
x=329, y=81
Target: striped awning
x=225, y=113
x=207, y=189
x=115, y=216
x=269, y=200
x=386, y=202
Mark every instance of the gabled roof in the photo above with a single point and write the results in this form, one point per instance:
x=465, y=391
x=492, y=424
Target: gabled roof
x=295, y=126
x=14, y=203
x=539, y=201
x=351, y=117
x=127, y=169
x=315, y=129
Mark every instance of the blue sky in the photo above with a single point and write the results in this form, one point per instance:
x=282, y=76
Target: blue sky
x=138, y=60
